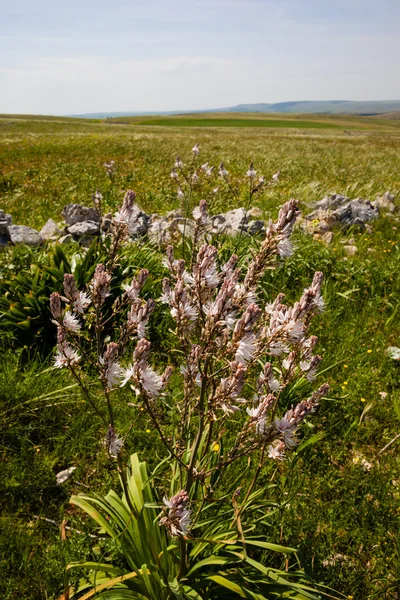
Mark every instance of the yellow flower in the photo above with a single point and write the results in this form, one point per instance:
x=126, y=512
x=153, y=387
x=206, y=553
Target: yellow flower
x=147, y=430
x=345, y=366
x=350, y=597
x=216, y=447
x=363, y=400
x=369, y=350
x=345, y=382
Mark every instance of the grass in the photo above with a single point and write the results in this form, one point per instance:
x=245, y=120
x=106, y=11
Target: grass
x=331, y=508
x=173, y=122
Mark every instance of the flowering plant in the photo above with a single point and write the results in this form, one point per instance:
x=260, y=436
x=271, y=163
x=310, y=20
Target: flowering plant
x=189, y=529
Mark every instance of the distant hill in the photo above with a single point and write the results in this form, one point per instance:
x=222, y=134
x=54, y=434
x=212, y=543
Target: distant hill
x=330, y=107
x=326, y=107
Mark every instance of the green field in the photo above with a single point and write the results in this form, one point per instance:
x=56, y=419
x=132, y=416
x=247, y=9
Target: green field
x=344, y=520
x=181, y=122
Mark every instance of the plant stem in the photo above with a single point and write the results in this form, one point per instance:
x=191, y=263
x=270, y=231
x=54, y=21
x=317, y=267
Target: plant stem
x=200, y=430
x=162, y=437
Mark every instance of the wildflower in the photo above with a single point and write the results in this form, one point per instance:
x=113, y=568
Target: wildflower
x=222, y=171
x=276, y=451
x=275, y=176
x=132, y=290
x=97, y=200
x=196, y=150
x=369, y=350
x=200, y=212
x=178, y=163
x=251, y=173
x=362, y=400
x=71, y=322
x=216, y=447
x=100, y=286
x=174, y=174
x=111, y=371
x=113, y=442
x=285, y=248
x=151, y=381
x=180, y=193
x=55, y=305
x=177, y=520
x=81, y=302
x=367, y=466
x=246, y=349
x=66, y=356
x=70, y=290
x=110, y=168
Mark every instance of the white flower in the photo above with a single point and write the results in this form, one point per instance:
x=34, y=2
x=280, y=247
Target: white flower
x=71, y=322
x=222, y=171
x=246, y=349
x=251, y=173
x=276, y=452
x=196, y=150
x=131, y=290
x=180, y=194
x=127, y=374
x=274, y=384
x=115, y=446
x=178, y=163
x=286, y=363
x=288, y=431
x=114, y=374
x=275, y=176
x=319, y=303
x=151, y=381
x=82, y=301
x=174, y=174
x=285, y=248
x=66, y=356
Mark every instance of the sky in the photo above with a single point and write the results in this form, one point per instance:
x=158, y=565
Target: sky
x=80, y=56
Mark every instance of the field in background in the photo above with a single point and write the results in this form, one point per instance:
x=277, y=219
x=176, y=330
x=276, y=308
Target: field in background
x=345, y=520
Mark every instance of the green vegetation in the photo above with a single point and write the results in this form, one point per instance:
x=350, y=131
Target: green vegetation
x=209, y=122
x=343, y=517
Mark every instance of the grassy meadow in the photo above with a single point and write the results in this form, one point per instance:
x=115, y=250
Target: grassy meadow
x=343, y=518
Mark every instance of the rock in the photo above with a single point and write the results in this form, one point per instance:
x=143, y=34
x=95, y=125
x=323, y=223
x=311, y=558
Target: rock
x=63, y=476
x=235, y=218
x=66, y=239
x=170, y=229
x=255, y=227
x=138, y=223
x=84, y=228
x=20, y=234
x=50, y=230
x=356, y=212
x=327, y=238
x=393, y=352
x=5, y=222
x=385, y=203
x=76, y=213
x=331, y=202
x=350, y=250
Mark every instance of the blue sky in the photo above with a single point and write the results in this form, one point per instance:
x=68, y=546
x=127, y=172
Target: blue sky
x=65, y=57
